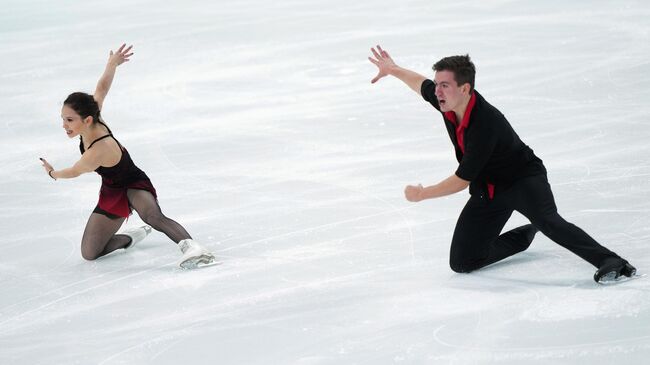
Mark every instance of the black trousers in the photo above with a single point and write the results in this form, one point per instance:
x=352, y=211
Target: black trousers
x=477, y=241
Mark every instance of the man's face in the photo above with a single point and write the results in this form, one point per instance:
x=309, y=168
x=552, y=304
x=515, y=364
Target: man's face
x=450, y=95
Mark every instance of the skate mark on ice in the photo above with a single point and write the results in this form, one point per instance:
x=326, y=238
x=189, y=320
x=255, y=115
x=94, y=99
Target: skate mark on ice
x=582, y=346
x=48, y=304
x=59, y=288
x=332, y=224
x=220, y=309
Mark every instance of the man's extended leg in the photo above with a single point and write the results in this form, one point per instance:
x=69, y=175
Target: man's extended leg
x=535, y=201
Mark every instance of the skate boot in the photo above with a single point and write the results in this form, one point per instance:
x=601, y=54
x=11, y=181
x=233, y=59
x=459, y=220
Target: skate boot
x=614, y=269
x=194, y=255
x=136, y=234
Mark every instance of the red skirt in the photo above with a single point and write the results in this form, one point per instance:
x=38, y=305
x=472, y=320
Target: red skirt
x=113, y=201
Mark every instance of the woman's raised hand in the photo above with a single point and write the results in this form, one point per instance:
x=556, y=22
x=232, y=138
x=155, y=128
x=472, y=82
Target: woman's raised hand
x=121, y=55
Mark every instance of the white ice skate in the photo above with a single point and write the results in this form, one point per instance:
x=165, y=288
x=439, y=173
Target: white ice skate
x=136, y=234
x=194, y=255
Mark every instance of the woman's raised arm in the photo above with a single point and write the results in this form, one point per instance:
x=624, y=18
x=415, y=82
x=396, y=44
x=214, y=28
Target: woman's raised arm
x=114, y=59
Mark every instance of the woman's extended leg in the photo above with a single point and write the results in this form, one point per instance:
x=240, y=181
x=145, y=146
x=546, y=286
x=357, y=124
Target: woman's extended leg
x=99, y=237
x=148, y=209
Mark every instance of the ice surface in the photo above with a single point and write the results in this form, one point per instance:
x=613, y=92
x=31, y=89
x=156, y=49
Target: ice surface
x=260, y=129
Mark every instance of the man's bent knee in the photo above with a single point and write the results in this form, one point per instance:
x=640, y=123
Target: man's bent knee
x=460, y=267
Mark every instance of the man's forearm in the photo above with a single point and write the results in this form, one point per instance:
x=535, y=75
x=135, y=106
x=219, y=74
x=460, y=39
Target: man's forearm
x=450, y=185
x=411, y=78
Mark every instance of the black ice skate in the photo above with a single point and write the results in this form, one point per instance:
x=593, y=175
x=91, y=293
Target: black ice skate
x=614, y=269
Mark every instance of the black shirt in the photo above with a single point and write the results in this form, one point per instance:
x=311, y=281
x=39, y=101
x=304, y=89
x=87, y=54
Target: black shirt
x=493, y=152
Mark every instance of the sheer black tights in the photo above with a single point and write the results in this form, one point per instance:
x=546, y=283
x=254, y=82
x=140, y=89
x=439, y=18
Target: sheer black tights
x=99, y=237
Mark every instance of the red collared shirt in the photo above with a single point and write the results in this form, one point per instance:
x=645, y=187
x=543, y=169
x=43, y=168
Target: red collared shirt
x=460, y=131
x=460, y=128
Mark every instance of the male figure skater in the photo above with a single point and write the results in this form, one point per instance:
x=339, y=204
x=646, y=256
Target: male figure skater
x=502, y=173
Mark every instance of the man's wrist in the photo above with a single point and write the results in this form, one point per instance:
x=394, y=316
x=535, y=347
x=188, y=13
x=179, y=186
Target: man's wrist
x=394, y=70
x=422, y=194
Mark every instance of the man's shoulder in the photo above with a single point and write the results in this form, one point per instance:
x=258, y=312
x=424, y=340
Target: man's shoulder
x=428, y=90
x=482, y=103
x=485, y=110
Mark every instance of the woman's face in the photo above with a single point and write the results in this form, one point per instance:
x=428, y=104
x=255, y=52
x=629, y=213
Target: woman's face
x=72, y=122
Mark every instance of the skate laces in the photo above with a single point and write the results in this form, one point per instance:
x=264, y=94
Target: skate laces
x=184, y=245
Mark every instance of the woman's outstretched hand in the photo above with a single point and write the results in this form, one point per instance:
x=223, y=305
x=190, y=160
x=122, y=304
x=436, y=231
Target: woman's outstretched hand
x=120, y=56
x=48, y=168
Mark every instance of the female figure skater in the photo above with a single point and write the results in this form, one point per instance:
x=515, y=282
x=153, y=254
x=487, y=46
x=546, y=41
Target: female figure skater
x=124, y=186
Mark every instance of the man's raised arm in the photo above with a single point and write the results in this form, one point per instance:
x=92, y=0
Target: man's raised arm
x=387, y=66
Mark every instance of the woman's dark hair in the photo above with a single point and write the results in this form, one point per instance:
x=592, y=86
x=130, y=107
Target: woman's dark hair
x=462, y=67
x=84, y=104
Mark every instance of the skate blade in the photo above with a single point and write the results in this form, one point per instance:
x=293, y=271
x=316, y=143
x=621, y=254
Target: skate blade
x=611, y=278
x=198, y=262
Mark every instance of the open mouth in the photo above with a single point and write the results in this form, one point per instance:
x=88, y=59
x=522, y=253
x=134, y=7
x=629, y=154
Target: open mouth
x=68, y=132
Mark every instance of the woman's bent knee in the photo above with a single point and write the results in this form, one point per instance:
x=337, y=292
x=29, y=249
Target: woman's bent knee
x=88, y=252
x=89, y=256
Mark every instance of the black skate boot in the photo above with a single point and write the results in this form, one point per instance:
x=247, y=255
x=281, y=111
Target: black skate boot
x=613, y=269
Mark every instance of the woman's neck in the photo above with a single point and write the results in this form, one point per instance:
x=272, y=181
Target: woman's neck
x=93, y=132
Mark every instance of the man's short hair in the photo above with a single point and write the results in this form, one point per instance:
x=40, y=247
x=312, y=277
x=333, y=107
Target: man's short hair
x=462, y=67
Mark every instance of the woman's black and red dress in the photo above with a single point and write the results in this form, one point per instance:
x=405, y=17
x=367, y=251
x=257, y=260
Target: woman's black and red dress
x=116, y=180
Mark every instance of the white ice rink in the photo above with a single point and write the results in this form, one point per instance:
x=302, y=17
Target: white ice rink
x=259, y=127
